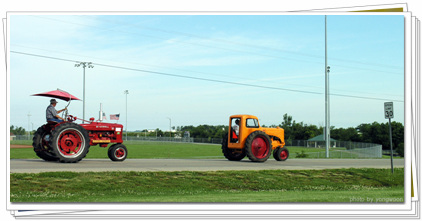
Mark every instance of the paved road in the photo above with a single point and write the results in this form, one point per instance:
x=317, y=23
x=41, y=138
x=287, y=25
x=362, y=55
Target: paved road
x=38, y=165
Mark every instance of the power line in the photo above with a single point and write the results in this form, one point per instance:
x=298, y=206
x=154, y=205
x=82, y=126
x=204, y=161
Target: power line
x=242, y=44
x=237, y=50
x=203, y=79
x=204, y=73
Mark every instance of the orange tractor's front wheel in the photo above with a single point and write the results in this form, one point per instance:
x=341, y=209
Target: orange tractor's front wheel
x=281, y=154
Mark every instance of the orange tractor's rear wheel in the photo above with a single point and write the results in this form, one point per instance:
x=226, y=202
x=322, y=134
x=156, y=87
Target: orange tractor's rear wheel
x=258, y=146
x=232, y=154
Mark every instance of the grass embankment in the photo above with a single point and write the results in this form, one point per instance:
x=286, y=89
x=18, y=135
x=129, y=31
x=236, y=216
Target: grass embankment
x=345, y=185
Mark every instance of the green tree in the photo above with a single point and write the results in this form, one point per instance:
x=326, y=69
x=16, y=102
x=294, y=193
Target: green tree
x=17, y=130
x=287, y=125
x=298, y=131
x=159, y=133
x=348, y=134
x=379, y=134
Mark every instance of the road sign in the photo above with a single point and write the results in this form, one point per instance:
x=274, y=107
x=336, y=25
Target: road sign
x=389, y=113
x=388, y=110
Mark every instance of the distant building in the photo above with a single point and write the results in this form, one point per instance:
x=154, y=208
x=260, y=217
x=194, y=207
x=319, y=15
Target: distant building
x=12, y=136
x=319, y=141
x=186, y=134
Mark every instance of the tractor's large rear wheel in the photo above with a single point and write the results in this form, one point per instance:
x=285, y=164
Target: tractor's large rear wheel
x=40, y=142
x=69, y=142
x=258, y=146
x=231, y=154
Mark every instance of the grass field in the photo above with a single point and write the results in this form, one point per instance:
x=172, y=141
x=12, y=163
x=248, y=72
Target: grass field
x=345, y=185
x=159, y=150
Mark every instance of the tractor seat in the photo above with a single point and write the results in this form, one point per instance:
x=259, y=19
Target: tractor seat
x=52, y=122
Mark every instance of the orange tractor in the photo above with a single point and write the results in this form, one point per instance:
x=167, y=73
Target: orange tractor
x=247, y=138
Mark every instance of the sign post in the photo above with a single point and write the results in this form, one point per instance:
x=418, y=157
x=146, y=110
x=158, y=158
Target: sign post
x=389, y=113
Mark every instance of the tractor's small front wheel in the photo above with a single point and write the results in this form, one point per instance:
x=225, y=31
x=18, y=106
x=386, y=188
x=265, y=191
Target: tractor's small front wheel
x=258, y=146
x=281, y=154
x=117, y=152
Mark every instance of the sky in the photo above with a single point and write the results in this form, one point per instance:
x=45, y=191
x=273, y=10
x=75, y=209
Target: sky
x=198, y=69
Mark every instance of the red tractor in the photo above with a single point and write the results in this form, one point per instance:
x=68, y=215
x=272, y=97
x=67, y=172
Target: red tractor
x=68, y=142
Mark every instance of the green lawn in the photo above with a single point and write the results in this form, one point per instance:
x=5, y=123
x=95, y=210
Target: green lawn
x=344, y=185
x=157, y=150
x=348, y=185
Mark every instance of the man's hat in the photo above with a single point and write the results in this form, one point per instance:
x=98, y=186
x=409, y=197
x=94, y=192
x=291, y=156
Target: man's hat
x=53, y=101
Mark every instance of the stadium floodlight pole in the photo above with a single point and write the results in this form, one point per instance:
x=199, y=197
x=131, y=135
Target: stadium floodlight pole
x=327, y=99
x=84, y=65
x=126, y=92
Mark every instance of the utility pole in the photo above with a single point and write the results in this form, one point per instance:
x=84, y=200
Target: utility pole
x=84, y=65
x=126, y=92
x=29, y=120
x=170, y=124
x=327, y=99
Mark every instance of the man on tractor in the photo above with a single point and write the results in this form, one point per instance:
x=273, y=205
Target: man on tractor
x=236, y=127
x=52, y=114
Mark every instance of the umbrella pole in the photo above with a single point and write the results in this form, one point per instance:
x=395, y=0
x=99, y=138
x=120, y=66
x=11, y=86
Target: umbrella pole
x=68, y=103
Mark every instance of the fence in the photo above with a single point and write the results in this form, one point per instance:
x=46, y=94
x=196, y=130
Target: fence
x=173, y=139
x=339, y=149
x=368, y=152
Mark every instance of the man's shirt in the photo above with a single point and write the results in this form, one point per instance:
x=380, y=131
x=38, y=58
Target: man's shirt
x=51, y=112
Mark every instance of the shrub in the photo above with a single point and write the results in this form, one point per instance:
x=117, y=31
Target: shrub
x=301, y=155
x=400, y=149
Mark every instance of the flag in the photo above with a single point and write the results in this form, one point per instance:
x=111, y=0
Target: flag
x=104, y=116
x=114, y=116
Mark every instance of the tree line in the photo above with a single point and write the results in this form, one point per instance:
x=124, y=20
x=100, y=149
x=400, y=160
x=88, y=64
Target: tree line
x=17, y=130
x=375, y=132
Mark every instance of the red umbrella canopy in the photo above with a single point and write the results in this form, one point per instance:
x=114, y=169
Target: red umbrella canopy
x=59, y=94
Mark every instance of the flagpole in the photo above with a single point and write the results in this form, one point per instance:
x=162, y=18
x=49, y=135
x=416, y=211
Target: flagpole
x=126, y=92
x=101, y=112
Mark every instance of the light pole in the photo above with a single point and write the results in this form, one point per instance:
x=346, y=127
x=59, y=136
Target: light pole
x=126, y=92
x=84, y=65
x=29, y=132
x=170, y=124
x=327, y=99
